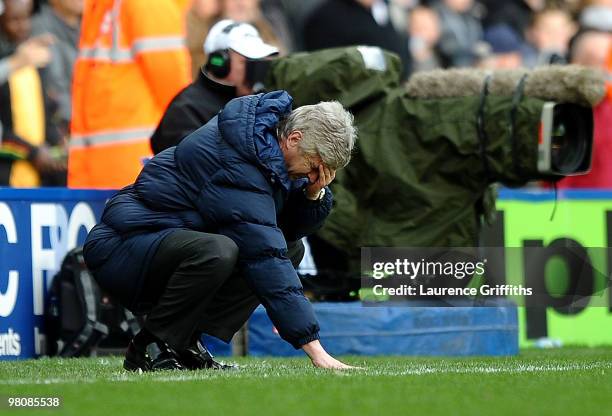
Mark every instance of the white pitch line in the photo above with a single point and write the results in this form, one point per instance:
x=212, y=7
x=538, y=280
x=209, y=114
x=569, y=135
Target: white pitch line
x=521, y=368
x=420, y=370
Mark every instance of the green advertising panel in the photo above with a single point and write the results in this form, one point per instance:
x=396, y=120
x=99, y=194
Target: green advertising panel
x=537, y=219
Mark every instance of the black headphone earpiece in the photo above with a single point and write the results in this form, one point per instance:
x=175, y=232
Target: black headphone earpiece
x=218, y=63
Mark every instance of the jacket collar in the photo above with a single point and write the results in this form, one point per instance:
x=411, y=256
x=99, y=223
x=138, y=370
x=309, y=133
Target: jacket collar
x=208, y=83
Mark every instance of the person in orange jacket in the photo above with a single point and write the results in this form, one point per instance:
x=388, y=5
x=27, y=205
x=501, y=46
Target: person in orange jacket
x=132, y=61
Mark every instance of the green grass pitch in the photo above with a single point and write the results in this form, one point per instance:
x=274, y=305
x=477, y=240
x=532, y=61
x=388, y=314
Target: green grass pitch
x=567, y=381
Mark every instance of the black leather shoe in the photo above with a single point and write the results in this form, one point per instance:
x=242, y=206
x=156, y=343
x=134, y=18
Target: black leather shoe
x=197, y=357
x=155, y=356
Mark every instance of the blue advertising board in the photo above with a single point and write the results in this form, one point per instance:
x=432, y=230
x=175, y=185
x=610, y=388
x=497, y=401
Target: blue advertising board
x=37, y=228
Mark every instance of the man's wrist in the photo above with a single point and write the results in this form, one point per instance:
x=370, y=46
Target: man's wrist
x=316, y=197
x=313, y=349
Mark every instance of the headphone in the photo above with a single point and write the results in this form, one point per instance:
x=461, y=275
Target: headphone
x=218, y=63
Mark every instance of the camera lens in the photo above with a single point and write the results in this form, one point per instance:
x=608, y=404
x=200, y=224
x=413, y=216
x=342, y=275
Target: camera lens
x=571, y=137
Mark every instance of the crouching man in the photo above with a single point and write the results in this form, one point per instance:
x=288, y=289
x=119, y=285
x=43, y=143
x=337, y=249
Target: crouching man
x=211, y=229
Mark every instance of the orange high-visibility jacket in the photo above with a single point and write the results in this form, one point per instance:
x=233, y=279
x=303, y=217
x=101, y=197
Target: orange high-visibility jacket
x=132, y=61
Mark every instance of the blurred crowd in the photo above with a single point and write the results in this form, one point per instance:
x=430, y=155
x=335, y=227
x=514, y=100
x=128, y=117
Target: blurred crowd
x=84, y=83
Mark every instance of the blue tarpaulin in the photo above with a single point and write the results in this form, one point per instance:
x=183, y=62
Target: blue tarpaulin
x=351, y=328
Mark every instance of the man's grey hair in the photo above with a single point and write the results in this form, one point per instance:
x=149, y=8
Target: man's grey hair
x=327, y=130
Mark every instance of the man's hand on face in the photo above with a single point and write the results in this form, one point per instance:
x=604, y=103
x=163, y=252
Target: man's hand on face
x=318, y=181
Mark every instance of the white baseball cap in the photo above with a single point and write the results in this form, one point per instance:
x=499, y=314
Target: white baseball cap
x=238, y=36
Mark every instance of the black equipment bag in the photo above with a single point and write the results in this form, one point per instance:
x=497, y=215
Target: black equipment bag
x=333, y=282
x=80, y=318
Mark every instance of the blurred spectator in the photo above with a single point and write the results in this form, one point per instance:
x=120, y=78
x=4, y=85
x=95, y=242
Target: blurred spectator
x=228, y=46
x=26, y=112
x=62, y=19
x=266, y=15
x=275, y=13
x=461, y=32
x=515, y=13
x=424, y=29
x=200, y=19
x=205, y=8
x=590, y=48
x=506, y=48
x=572, y=6
x=549, y=34
x=132, y=61
x=398, y=11
x=272, y=26
x=355, y=22
x=297, y=12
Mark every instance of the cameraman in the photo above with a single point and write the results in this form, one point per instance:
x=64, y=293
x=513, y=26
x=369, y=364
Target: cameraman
x=228, y=46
